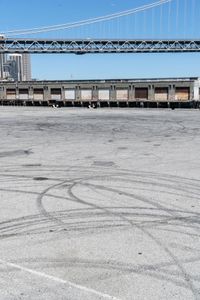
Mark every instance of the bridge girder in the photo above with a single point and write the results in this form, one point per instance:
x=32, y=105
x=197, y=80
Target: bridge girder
x=90, y=46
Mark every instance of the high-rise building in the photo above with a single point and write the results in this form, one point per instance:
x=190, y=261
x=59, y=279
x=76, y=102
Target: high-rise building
x=26, y=62
x=20, y=70
x=10, y=70
x=17, y=73
x=2, y=62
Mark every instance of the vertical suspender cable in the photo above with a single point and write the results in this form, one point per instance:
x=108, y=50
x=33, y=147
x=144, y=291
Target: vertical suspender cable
x=184, y=18
x=161, y=20
x=152, y=23
x=135, y=24
x=169, y=19
x=144, y=24
x=126, y=26
x=193, y=18
x=132, y=27
x=177, y=17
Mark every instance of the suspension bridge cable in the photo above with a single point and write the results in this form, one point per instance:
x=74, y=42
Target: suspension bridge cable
x=161, y=20
x=85, y=22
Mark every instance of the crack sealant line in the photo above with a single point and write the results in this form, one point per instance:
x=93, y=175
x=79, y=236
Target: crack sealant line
x=59, y=280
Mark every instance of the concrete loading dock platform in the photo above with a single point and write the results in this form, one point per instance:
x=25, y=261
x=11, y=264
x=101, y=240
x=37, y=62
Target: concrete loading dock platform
x=158, y=93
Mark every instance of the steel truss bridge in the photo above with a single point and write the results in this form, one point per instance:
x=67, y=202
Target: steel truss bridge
x=90, y=46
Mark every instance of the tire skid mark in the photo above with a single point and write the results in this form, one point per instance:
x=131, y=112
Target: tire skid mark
x=186, y=277
x=184, y=186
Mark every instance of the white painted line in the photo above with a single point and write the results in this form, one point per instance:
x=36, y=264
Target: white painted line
x=50, y=277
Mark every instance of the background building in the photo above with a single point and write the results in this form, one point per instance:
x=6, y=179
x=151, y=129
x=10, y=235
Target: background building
x=2, y=62
x=10, y=70
x=26, y=67
x=16, y=67
x=17, y=71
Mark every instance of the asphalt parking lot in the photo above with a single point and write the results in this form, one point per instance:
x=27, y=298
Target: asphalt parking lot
x=99, y=204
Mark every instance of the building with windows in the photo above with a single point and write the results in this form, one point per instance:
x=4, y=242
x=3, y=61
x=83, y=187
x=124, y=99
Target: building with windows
x=16, y=72
x=9, y=70
x=26, y=67
x=2, y=62
x=15, y=67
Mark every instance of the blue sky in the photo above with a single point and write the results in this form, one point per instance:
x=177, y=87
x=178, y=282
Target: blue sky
x=178, y=19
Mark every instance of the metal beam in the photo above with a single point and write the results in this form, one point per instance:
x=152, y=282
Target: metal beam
x=84, y=46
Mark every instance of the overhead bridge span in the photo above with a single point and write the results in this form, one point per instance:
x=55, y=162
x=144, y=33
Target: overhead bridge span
x=90, y=46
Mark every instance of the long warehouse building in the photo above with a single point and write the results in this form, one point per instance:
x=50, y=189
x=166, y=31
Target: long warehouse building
x=165, y=92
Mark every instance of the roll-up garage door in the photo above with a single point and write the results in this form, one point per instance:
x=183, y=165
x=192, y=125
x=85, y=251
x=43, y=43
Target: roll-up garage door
x=161, y=94
x=11, y=94
x=55, y=94
x=23, y=94
x=141, y=93
x=70, y=94
x=38, y=94
x=104, y=95
x=122, y=94
x=86, y=94
x=182, y=93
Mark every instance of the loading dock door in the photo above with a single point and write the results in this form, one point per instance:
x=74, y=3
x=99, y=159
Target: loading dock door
x=86, y=95
x=55, y=94
x=122, y=94
x=161, y=94
x=11, y=94
x=104, y=95
x=70, y=94
x=141, y=93
x=182, y=94
x=23, y=94
x=38, y=94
